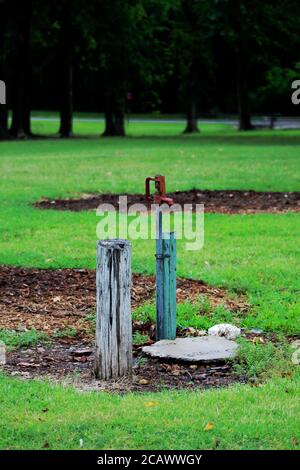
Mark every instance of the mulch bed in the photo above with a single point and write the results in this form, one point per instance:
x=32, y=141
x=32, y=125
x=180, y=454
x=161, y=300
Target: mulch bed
x=225, y=202
x=52, y=300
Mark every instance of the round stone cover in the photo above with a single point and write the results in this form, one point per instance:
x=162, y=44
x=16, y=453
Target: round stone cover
x=205, y=348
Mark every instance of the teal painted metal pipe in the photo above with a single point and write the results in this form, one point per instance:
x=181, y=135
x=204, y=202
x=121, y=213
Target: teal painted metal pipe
x=159, y=276
x=165, y=283
x=169, y=286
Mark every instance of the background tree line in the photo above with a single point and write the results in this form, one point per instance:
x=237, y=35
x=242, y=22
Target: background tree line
x=207, y=57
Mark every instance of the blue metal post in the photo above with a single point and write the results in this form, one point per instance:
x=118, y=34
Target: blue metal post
x=165, y=282
x=159, y=276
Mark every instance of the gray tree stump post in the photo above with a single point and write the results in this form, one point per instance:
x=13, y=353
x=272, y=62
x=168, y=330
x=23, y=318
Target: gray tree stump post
x=113, y=323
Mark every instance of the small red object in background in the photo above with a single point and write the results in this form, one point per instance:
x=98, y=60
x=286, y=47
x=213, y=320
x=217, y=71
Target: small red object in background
x=159, y=196
x=129, y=96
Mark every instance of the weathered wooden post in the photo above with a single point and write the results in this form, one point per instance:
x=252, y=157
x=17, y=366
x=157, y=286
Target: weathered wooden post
x=113, y=357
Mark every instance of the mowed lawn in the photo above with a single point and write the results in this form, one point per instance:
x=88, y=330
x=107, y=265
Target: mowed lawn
x=258, y=255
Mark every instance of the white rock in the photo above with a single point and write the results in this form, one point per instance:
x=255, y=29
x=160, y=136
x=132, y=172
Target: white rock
x=225, y=329
x=201, y=332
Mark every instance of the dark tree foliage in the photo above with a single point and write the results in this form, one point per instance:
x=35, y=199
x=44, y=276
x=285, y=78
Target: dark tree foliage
x=255, y=32
x=21, y=68
x=66, y=69
x=201, y=57
x=192, y=45
x=3, y=28
x=130, y=39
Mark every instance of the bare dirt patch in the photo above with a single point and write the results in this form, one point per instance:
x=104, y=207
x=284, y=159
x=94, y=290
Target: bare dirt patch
x=225, y=202
x=66, y=363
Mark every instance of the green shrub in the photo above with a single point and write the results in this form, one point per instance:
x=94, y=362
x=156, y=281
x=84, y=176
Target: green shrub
x=199, y=315
x=139, y=339
x=261, y=361
x=67, y=332
x=18, y=339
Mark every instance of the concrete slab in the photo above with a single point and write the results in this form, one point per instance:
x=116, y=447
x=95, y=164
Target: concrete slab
x=190, y=349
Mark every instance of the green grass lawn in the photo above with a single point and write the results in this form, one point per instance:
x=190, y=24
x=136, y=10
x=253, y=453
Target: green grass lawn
x=244, y=417
x=255, y=254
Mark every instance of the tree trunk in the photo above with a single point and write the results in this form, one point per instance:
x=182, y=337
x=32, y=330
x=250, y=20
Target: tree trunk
x=114, y=117
x=242, y=92
x=191, y=118
x=120, y=123
x=109, y=118
x=66, y=84
x=109, y=124
x=4, y=134
x=20, y=126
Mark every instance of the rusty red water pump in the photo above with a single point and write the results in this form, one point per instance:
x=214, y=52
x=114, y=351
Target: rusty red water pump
x=159, y=196
x=165, y=263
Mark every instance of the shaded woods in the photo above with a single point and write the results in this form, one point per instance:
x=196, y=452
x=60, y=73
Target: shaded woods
x=198, y=57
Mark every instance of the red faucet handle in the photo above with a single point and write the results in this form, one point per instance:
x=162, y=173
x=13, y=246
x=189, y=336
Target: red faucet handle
x=160, y=190
x=147, y=187
x=166, y=200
